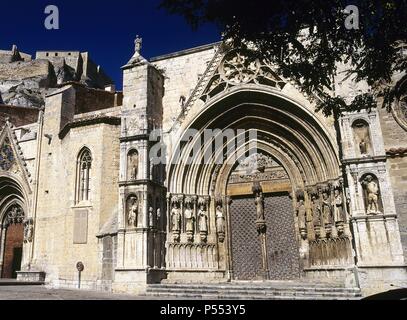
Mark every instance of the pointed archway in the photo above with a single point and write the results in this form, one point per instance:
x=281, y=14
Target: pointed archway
x=284, y=130
x=16, y=227
x=12, y=219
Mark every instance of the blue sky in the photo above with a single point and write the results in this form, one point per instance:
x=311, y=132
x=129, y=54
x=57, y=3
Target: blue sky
x=104, y=28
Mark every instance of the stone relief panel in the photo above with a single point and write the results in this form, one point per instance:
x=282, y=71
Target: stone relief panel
x=192, y=256
x=331, y=252
x=258, y=167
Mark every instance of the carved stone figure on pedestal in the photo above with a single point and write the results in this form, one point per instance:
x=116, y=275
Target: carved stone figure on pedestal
x=220, y=223
x=327, y=213
x=133, y=211
x=132, y=164
x=301, y=213
x=372, y=195
x=203, y=223
x=316, y=215
x=189, y=221
x=175, y=220
x=259, y=202
x=339, y=216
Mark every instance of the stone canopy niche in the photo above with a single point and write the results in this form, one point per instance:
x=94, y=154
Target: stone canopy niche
x=371, y=194
x=132, y=165
x=133, y=217
x=361, y=135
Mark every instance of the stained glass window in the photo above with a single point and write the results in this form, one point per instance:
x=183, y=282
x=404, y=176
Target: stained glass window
x=6, y=155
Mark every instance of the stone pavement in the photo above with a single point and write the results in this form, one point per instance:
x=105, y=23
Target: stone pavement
x=44, y=293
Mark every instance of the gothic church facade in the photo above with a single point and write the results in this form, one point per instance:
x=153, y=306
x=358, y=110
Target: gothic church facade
x=307, y=198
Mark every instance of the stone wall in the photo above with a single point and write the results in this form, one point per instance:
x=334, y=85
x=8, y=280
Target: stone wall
x=18, y=116
x=396, y=137
x=182, y=72
x=57, y=249
x=88, y=99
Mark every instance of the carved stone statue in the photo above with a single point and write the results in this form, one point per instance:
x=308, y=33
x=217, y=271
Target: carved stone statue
x=338, y=207
x=302, y=212
x=259, y=206
x=133, y=211
x=151, y=219
x=176, y=221
x=316, y=211
x=203, y=223
x=220, y=223
x=362, y=140
x=132, y=163
x=138, y=44
x=326, y=209
x=363, y=147
x=158, y=216
x=189, y=222
x=372, y=190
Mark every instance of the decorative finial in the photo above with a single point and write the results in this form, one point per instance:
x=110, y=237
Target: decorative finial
x=138, y=44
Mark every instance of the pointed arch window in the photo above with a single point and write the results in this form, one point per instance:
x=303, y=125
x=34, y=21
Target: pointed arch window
x=84, y=175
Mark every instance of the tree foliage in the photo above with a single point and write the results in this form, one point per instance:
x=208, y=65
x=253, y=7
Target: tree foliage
x=307, y=39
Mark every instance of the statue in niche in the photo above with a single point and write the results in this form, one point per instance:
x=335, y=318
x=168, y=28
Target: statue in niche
x=220, y=223
x=372, y=195
x=158, y=215
x=362, y=137
x=189, y=222
x=133, y=162
x=326, y=209
x=301, y=213
x=363, y=147
x=151, y=220
x=133, y=212
x=203, y=222
x=176, y=221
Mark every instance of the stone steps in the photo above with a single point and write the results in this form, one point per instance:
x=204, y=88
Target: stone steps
x=13, y=282
x=276, y=291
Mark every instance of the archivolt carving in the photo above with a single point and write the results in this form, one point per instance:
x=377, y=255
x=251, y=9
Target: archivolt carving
x=15, y=215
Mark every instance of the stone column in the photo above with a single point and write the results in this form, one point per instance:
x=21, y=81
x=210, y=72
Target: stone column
x=2, y=246
x=228, y=258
